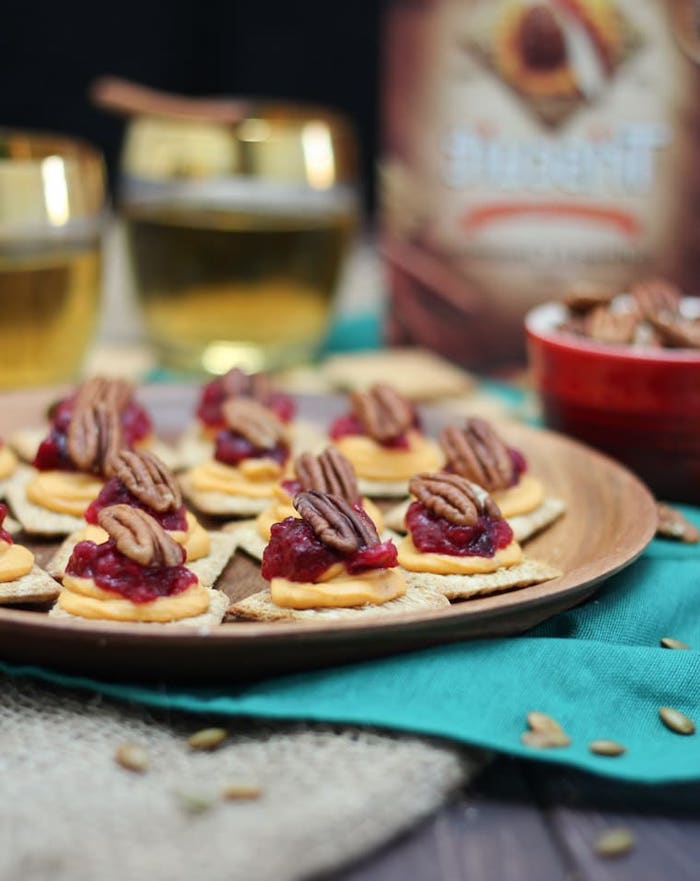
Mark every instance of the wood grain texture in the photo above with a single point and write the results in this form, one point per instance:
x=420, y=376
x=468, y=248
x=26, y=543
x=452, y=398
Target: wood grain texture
x=609, y=520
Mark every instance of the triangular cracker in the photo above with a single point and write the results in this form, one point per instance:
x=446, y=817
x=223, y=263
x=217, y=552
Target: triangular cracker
x=247, y=538
x=259, y=607
x=36, y=586
x=383, y=489
x=207, y=569
x=463, y=587
x=35, y=519
x=221, y=504
x=218, y=603
x=25, y=442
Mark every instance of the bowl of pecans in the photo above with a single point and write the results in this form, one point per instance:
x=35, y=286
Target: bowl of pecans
x=621, y=372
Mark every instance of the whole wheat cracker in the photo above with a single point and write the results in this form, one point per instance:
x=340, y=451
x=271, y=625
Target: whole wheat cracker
x=35, y=519
x=207, y=569
x=218, y=603
x=259, y=607
x=524, y=526
x=36, y=586
x=463, y=587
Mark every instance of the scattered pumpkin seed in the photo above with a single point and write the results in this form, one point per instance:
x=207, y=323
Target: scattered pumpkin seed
x=132, y=756
x=614, y=842
x=603, y=747
x=241, y=791
x=676, y=721
x=207, y=738
x=668, y=642
x=542, y=722
x=545, y=739
x=194, y=801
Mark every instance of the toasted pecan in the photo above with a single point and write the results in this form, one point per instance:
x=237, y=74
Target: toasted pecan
x=335, y=522
x=147, y=478
x=330, y=472
x=139, y=537
x=676, y=332
x=672, y=524
x=656, y=297
x=239, y=384
x=478, y=453
x=455, y=498
x=583, y=296
x=606, y=326
x=384, y=413
x=94, y=436
x=255, y=422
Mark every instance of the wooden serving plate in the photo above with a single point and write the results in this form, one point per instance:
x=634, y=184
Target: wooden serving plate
x=610, y=519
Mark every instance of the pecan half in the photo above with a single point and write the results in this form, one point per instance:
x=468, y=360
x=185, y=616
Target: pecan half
x=478, y=453
x=584, y=296
x=655, y=297
x=139, y=537
x=147, y=478
x=541, y=39
x=610, y=327
x=330, y=473
x=383, y=412
x=254, y=422
x=676, y=332
x=453, y=497
x=238, y=384
x=114, y=392
x=672, y=524
x=94, y=436
x=335, y=522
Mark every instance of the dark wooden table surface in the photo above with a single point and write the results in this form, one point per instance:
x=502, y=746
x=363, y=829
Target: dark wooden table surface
x=524, y=821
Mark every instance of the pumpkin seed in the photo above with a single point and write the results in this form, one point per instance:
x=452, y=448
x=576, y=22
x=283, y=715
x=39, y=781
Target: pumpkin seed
x=614, y=842
x=542, y=722
x=241, y=791
x=207, y=738
x=545, y=739
x=605, y=747
x=132, y=756
x=676, y=721
x=668, y=642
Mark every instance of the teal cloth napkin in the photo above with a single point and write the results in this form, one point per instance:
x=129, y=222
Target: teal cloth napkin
x=598, y=669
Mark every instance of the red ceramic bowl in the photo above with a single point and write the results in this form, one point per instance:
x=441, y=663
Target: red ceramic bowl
x=642, y=406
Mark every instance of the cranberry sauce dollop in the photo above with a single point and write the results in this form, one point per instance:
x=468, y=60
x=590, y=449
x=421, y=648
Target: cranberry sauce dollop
x=52, y=454
x=349, y=424
x=115, y=493
x=4, y=534
x=295, y=553
x=111, y=570
x=435, y=535
x=231, y=449
x=214, y=394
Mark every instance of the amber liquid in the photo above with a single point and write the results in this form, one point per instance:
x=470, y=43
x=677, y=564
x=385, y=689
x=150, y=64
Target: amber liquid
x=48, y=306
x=222, y=289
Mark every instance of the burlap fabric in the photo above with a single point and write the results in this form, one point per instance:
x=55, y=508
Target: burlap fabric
x=69, y=812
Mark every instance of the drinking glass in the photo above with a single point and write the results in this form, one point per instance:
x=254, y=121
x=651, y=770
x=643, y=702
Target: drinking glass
x=238, y=218
x=51, y=215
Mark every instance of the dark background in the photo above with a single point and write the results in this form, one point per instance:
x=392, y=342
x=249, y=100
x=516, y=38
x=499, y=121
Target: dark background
x=323, y=51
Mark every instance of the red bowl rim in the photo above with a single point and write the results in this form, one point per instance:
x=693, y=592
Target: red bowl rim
x=540, y=325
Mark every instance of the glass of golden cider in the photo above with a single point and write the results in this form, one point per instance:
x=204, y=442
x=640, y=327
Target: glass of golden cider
x=238, y=217
x=52, y=194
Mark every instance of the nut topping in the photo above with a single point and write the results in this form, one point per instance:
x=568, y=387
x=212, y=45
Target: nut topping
x=330, y=473
x=255, y=422
x=335, y=522
x=584, y=296
x=139, y=537
x=94, y=436
x=478, y=453
x=147, y=478
x=114, y=392
x=453, y=497
x=672, y=524
x=383, y=412
x=655, y=297
x=676, y=332
x=238, y=384
x=611, y=327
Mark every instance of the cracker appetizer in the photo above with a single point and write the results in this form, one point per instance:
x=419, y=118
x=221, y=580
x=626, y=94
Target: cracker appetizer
x=477, y=453
x=249, y=459
x=137, y=574
x=139, y=479
x=330, y=563
x=459, y=543
x=329, y=472
x=381, y=437
x=21, y=580
x=8, y=464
